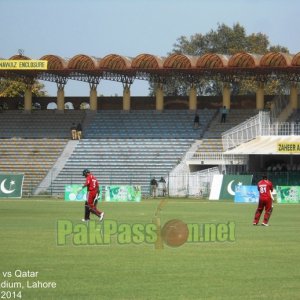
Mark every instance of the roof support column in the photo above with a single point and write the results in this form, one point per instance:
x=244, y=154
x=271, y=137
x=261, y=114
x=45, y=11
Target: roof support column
x=159, y=93
x=226, y=94
x=93, y=97
x=193, y=98
x=260, y=96
x=60, y=97
x=28, y=98
x=294, y=95
x=126, y=97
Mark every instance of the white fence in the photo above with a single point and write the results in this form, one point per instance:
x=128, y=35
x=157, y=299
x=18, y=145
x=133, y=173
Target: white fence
x=195, y=184
x=258, y=125
x=245, y=131
x=218, y=158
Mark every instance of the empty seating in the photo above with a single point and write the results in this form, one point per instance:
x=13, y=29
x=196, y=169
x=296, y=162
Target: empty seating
x=212, y=138
x=39, y=123
x=147, y=124
x=122, y=161
x=132, y=147
x=32, y=157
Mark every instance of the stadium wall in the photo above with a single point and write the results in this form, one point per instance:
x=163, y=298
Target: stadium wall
x=144, y=103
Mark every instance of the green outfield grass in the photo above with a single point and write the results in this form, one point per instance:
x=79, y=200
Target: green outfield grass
x=260, y=263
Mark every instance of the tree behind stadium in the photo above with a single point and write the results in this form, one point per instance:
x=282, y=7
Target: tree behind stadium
x=228, y=41
x=9, y=88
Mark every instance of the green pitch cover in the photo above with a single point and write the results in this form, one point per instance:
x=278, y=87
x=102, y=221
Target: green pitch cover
x=11, y=185
x=230, y=181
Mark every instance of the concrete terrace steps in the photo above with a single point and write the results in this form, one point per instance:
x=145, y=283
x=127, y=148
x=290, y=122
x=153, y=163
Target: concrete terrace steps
x=211, y=145
x=147, y=124
x=35, y=161
x=127, y=165
x=130, y=147
x=212, y=138
x=38, y=124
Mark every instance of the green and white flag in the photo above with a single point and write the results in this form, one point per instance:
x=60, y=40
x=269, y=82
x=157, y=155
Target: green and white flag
x=230, y=181
x=11, y=185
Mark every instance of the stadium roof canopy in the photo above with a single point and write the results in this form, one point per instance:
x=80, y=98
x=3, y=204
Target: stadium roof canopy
x=159, y=69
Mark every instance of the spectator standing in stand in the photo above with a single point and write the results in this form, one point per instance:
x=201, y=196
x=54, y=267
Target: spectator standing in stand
x=73, y=131
x=224, y=112
x=196, y=121
x=79, y=131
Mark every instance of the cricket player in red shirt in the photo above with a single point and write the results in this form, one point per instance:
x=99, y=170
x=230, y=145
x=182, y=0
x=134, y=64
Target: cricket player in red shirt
x=92, y=185
x=265, y=187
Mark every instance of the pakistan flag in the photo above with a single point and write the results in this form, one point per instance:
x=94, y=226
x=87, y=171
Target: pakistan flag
x=11, y=185
x=230, y=181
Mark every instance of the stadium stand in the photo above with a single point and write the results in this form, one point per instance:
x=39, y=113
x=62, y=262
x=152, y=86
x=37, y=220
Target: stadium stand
x=122, y=161
x=212, y=138
x=130, y=148
x=32, y=157
x=39, y=123
x=119, y=147
x=147, y=124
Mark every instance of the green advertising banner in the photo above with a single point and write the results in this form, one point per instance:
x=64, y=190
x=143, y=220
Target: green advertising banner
x=288, y=194
x=74, y=192
x=123, y=193
x=11, y=185
x=230, y=181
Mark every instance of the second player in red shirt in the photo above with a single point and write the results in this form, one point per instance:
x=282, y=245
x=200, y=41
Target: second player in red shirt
x=265, y=187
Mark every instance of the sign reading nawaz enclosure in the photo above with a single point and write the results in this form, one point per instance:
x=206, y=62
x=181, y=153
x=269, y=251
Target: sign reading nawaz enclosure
x=11, y=185
x=23, y=64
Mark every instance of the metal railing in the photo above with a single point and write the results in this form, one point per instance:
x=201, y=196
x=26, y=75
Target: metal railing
x=283, y=128
x=246, y=131
x=259, y=125
x=219, y=157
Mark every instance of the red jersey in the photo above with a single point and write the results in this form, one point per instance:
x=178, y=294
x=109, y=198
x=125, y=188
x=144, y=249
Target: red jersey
x=265, y=187
x=91, y=183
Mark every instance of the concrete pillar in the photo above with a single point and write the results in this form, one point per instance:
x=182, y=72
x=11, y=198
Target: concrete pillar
x=294, y=96
x=60, y=98
x=193, y=98
x=226, y=95
x=28, y=99
x=260, y=96
x=93, y=98
x=126, y=98
x=159, y=97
